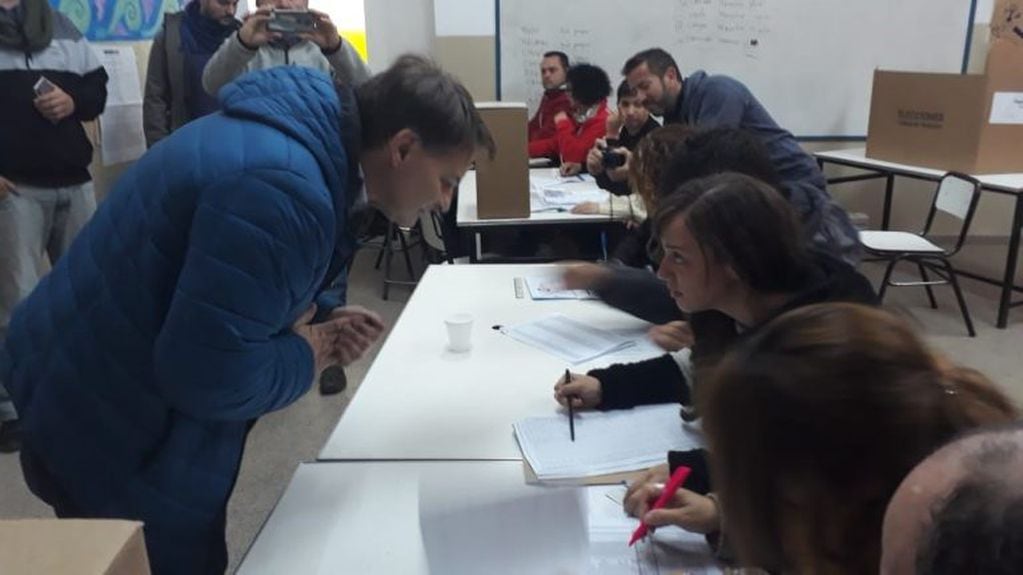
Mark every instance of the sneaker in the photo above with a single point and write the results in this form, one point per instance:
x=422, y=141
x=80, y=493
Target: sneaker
x=10, y=436
x=333, y=380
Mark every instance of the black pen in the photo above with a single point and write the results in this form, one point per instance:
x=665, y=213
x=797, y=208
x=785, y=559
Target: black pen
x=571, y=412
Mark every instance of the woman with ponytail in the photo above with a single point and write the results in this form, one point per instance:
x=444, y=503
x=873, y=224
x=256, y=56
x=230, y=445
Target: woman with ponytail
x=814, y=422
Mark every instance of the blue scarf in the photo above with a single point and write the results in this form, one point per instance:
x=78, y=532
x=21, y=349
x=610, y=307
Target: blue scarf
x=200, y=38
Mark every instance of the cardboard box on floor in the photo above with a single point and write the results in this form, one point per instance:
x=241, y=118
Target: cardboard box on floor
x=502, y=184
x=72, y=546
x=963, y=122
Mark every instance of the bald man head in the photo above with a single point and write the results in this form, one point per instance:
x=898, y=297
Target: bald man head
x=960, y=510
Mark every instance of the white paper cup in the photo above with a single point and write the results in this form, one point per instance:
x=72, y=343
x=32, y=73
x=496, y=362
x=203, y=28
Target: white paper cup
x=459, y=332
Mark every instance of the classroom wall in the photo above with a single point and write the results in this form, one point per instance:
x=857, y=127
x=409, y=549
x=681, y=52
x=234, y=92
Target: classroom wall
x=398, y=26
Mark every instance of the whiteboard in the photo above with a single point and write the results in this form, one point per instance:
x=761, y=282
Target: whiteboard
x=810, y=62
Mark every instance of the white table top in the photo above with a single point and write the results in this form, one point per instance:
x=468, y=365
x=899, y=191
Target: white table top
x=419, y=401
x=359, y=517
x=468, y=216
x=858, y=156
x=364, y=517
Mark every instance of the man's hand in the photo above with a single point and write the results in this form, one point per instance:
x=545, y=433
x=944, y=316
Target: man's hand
x=672, y=336
x=6, y=187
x=55, y=105
x=621, y=173
x=584, y=275
x=253, y=32
x=688, y=510
x=614, y=124
x=325, y=36
x=595, y=158
x=571, y=169
x=321, y=337
x=584, y=391
x=358, y=329
x=561, y=117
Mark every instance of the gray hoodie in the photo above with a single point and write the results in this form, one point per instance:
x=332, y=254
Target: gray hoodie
x=233, y=59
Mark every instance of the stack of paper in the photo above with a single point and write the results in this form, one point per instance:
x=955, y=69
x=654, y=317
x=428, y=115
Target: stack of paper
x=568, y=339
x=551, y=287
x=553, y=192
x=605, y=442
x=667, y=550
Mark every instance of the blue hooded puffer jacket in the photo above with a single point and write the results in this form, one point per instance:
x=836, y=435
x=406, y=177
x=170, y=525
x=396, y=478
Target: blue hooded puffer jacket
x=140, y=362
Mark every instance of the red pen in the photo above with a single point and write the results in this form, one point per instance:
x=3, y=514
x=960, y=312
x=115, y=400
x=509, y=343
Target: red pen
x=676, y=481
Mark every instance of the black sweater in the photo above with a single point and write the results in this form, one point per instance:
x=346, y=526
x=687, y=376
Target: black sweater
x=660, y=380
x=33, y=150
x=629, y=142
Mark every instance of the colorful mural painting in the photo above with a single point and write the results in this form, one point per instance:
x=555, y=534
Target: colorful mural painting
x=133, y=20
x=113, y=20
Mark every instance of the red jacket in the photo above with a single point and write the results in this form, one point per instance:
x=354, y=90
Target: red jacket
x=541, y=127
x=571, y=141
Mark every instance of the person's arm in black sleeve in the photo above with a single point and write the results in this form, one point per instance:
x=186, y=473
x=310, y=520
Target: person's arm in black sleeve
x=90, y=95
x=639, y=292
x=656, y=380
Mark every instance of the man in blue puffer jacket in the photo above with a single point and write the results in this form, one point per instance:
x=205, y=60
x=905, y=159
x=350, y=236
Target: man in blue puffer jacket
x=181, y=312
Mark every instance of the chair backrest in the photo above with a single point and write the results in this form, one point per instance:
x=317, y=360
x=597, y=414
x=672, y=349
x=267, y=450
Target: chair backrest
x=431, y=225
x=957, y=196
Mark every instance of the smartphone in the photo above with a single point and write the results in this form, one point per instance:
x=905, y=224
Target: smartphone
x=291, y=21
x=43, y=86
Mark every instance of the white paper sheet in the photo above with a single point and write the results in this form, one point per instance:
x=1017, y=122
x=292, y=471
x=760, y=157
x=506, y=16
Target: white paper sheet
x=551, y=287
x=571, y=340
x=464, y=17
x=1007, y=108
x=121, y=135
x=605, y=442
x=123, y=86
x=551, y=191
x=667, y=550
x=468, y=530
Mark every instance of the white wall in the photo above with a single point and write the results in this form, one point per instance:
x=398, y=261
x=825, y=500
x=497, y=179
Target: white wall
x=394, y=27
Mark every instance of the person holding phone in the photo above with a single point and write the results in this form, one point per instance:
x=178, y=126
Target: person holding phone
x=50, y=82
x=287, y=33
x=266, y=40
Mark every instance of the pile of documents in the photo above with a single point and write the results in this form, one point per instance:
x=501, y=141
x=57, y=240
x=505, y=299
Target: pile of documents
x=571, y=340
x=605, y=442
x=555, y=193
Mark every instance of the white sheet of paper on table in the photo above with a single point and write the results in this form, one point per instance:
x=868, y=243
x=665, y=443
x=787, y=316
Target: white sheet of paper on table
x=552, y=287
x=605, y=442
x=468, y=529
x=667, y=550
x=569, y=339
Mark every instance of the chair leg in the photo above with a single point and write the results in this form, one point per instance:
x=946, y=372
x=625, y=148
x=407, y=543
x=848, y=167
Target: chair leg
x=408, y=257
x=388, y=258
x=924, y=277
x=380, y=256
x=887, y=278
x=959, y=296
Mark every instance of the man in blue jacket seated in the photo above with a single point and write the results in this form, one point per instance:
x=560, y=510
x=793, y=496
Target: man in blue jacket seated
x=181, y=313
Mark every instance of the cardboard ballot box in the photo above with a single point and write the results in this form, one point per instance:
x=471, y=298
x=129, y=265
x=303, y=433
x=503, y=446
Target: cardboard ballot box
x=969, y=123
x=72, y=546
x=502, y=184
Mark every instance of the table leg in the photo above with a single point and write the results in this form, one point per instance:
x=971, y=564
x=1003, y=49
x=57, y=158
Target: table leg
x=1010, y=265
